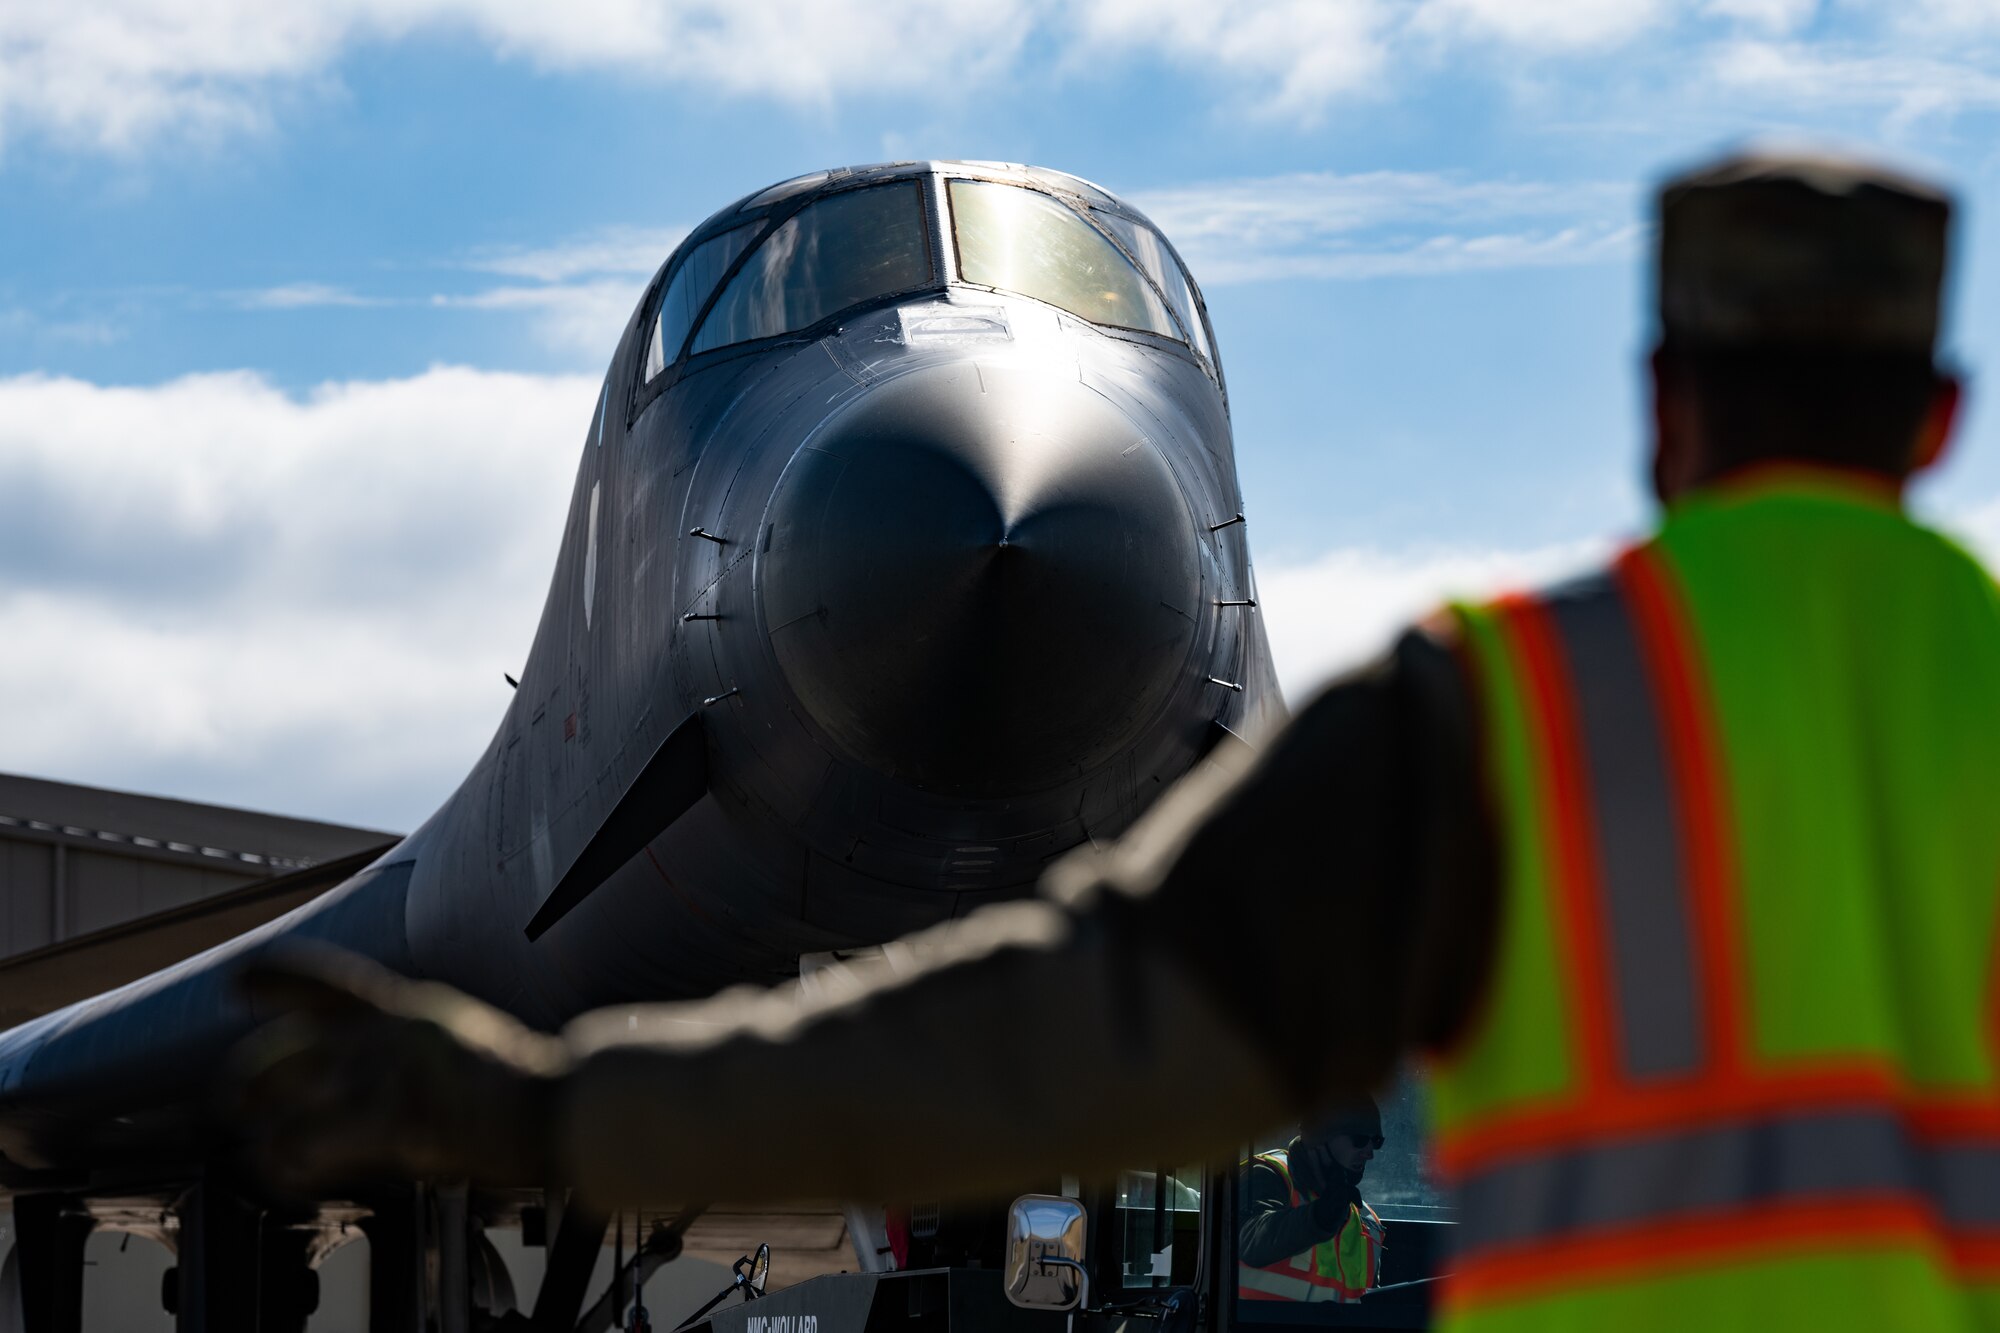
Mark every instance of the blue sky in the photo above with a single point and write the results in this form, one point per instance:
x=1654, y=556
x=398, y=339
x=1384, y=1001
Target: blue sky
x=302, y=307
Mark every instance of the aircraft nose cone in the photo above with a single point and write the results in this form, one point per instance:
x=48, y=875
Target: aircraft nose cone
x=981, y=582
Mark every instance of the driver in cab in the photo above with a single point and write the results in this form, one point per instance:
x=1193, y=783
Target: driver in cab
x=1306, y=1234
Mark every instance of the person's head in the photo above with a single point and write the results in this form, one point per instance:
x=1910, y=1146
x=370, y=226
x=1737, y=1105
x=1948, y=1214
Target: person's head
x=1798, y=302
x=1350, y=1135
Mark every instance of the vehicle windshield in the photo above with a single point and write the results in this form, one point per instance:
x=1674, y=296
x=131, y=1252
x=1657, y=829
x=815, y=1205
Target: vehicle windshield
x=836, y=252
x=1022, y=241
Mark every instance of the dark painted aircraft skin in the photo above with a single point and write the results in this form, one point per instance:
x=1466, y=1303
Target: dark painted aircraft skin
x=853, y=629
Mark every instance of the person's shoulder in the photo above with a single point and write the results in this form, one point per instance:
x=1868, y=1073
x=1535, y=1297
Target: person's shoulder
x=1261, y=1179
x=1422, y=660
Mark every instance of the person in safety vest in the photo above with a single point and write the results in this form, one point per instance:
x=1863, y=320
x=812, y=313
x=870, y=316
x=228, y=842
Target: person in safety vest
x=1304, y=1232
x=1684, y=875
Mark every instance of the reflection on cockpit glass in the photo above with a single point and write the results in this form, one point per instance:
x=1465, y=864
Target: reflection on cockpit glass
x=786, y=189
x=1021, y=241
x=1337, y=1208
x=688, y=292
x=837, y=251
x=1145, y=245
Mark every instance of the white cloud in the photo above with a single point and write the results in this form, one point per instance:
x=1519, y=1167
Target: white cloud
x=117, y=73
x=1378, y=223
x=1294, y=56
x=579, y=320
x=295, y=603
x=1777, y=16
x=1592, y=244
x=304, y=296
x=114, y=72
x=576, y=294
x=1907, y=86
x=1339, y=609
x=17, y=321
x=1961, y=17
x=629, y=251
x=1557, y=25
x=1978, y=526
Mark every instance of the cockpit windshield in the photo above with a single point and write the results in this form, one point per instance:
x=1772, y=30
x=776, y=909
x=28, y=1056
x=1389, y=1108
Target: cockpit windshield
x=837, y=251
x=1022, y=241
x=689, y=291
x=1150, y=249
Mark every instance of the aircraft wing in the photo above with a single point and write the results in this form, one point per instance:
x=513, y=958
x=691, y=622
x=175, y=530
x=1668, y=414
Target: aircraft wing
x=46, y=979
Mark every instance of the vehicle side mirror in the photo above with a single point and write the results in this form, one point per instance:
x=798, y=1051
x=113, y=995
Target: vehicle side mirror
x=760, y=1269
x=1045, y=1253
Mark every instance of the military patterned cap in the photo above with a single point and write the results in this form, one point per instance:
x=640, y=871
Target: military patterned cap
x=1801, y=250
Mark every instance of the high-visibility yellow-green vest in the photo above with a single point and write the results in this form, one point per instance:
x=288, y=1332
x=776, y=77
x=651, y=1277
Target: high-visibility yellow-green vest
x=1341, y=1268
x=1736, y=1065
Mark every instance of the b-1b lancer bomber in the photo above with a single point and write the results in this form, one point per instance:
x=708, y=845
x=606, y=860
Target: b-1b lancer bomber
x=905, y=554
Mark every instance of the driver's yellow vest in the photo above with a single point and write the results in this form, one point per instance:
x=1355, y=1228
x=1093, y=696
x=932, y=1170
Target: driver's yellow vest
x=1738, y=1064
x=1340, y=1269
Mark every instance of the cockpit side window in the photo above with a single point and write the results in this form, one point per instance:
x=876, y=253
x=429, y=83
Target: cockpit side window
x=1150, y=249
x=837, y=251
x=1021, y=241
x=689, y=291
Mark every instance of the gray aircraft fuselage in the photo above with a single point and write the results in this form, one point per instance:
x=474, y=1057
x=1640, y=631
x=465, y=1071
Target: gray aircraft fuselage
x=854, y=628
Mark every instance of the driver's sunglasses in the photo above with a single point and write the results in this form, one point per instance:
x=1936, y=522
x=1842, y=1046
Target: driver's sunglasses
x=1372, y=1142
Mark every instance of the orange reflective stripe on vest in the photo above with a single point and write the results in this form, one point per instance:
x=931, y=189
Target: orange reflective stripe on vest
x=1651, y=1109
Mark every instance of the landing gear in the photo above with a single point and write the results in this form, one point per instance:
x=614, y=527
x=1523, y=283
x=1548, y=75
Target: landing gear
x=10, y=1292
x=431, y=1267
x=572, y=1259
x=492, y=1285
x=395, y=1228
x=48, y=1259
x=250, y=1265
x=224, y=1240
